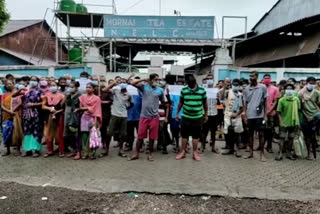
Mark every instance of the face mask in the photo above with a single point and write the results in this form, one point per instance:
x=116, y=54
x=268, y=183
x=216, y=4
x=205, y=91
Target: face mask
x=310, y=87
x=123, y=85
x=154, y=84
x=162, y=82
x=53, y=89
x=33, y=84
x=267, y=81
x=210, y=83
x=20, y=87
x=289, y=92
x=103, y=84
x=68, y=82
x=235, y=88
x=71, y=90
x=43, y=83
x=205, y=85
x=95, y=83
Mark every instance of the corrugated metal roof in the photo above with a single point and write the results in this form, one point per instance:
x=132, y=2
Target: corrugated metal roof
x=306, y=45
x=285, y=12
x=28, y=58
x=16, y=25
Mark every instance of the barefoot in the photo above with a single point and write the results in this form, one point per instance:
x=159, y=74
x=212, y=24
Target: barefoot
x=135, y=157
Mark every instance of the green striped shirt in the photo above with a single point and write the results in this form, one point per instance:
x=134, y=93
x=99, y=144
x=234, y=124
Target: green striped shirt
x=193, y=102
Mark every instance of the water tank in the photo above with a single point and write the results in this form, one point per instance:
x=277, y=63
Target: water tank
x=75, y=54
x=81, y=8
x=68, y=6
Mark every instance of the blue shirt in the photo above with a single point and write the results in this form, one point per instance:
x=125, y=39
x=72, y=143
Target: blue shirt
x=134, y=112
x=150, y=100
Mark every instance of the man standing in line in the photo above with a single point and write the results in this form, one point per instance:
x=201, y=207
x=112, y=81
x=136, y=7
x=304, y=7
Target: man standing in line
x=255, y=96
x=195, y=108
x=272, y=99
x=149, y=117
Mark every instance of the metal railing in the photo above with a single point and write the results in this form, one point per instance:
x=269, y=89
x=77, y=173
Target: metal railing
x=93, y=8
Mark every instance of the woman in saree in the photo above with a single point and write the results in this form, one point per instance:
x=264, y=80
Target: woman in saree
x=53, y=105
x=32, y=123
x=7, y=116
x=72, y=120
x=16, y=107
x=90, y=104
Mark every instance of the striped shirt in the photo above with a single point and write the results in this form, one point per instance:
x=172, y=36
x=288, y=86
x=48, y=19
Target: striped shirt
x=193, y=102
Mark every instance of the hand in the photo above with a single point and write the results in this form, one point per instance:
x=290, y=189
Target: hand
x=245, y=119
x=12, y=113
x=206, y=118
x=52, y=110
x=132, y=74
x=233, y=116
x=177, y=117
x=309, y=119
x=166, y=120
x=76, y=110
x=30, y=105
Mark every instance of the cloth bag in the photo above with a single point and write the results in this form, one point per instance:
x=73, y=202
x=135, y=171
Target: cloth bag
x=298, y=145
x=95, y=141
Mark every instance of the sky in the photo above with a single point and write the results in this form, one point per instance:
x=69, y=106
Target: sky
x=253, y=9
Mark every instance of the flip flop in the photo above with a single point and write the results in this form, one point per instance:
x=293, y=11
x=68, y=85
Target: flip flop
x=248, y=157
x=47, y=155
x=122, y=155
x=150, y=159
x=133, y=158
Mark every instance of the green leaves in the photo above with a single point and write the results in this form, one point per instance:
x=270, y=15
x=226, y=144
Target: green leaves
x=4, y=15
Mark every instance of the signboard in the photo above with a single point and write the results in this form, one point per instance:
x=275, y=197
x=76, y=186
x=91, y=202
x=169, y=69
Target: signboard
x=159, y=27
x=177, y=70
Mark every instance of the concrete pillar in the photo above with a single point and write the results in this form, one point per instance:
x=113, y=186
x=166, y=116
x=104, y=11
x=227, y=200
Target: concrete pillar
x=222, y=60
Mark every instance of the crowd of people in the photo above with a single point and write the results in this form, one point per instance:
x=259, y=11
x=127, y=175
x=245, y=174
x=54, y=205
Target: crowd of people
x=79, y=118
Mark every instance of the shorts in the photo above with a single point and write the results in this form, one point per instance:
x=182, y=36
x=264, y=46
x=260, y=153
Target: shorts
x=288, y=132
x=256, y=125
x=118, y=125
x=191, y=127
x=236, y=123
x=151, y=124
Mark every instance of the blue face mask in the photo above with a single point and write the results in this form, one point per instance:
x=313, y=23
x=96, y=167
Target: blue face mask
x=235, y=88
x=123, y=85
x=289, y=92
x=310, y=87
x=20, y=87
x=53, y=89
x=96, y=83
x=71, y=90
x=33, y=84
x=210, y=83
x=68, y=82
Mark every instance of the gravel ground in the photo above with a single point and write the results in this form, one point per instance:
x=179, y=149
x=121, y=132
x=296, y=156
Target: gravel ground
x=17, y=198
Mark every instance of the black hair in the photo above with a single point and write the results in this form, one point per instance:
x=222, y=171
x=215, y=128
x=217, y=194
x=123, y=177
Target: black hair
x=221, y=81
x=309, y=79
x=289, y=85
x=62, y=78
x=236, y=81
x=293, y=80
x=84, y=74
x=244, y=81
x=76, y=84
x=9, y=76
x=189, y=77
x=153, y=76
x=117, y=77
x=137, y=78
x=283, y=82
x=36, y=78
x=93, y=85
x=254, y=73
x=266, y=75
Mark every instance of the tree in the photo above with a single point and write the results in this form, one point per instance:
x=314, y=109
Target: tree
x=4, y=15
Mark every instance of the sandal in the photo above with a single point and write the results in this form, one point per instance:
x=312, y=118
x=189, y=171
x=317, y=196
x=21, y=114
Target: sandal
x=48, y=155
x=36, y=155
x=133, y=158
x=150, y=158
x=103, y=154
x=120, y=154
x=77, y=157
x=61, y=155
